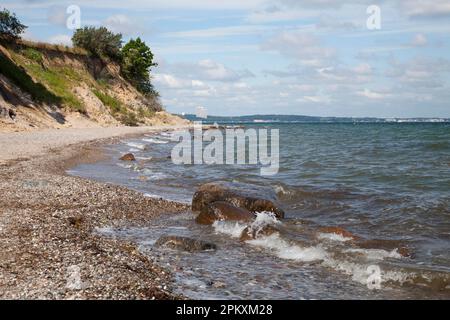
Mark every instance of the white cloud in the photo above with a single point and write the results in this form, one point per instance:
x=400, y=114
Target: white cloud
x=425, y=8
x=299, y=45
x=121, y=23
x=220, y=32
x=419, y=40
x=173, y=82
x=367, y=93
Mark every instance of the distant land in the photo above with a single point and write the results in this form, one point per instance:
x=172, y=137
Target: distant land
x=271, y=118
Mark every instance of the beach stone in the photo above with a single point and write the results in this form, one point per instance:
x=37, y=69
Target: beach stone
x=223, y=211
x=250, y=233
x=184, y=243
x=128, y=157
x=235, y=194
x=339, y=231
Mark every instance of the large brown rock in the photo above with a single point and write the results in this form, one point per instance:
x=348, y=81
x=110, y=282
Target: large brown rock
x=234, y=194
x=184, y=243
x=223, y=211
x=128, y=157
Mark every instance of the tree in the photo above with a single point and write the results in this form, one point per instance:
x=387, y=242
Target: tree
x=10, y=26
x=98, y=41
x=137, y=60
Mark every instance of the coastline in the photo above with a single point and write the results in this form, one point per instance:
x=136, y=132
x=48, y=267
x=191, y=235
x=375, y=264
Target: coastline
x=48, y=221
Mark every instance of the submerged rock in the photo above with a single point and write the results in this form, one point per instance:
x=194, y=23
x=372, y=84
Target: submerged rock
x=250, y=233
x=386, y=244
x=223, y=211
x=184, y=243
x=128, y=157
x=339, y=231
x=234, y=194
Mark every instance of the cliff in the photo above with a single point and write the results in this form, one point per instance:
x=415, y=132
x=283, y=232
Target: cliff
x=49, y=86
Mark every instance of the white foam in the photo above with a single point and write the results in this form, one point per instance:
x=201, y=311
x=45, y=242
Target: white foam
x=333, y=237
x=376, y=254
x=233, y=229
x=144, y=158
x=126, y=166
x=155, y=141
x=286, y=250
x=153, y=175
x=140, y=146
x=360, y=274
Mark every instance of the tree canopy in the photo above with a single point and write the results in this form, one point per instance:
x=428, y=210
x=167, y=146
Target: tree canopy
x=10, y=26
x=137, y=60
x=98, y=41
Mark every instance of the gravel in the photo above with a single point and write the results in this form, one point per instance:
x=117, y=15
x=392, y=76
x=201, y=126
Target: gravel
x=48, y=245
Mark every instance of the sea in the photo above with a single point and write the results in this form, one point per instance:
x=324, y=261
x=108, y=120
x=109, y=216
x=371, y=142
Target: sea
x=387, y=184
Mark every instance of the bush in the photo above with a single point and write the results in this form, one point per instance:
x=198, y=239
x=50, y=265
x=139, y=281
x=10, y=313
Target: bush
x=98, y=41
x=137, y=59
x=10, y=26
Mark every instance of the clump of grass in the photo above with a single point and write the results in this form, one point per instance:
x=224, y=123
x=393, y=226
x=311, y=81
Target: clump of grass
x=118, y=111
x=52, y=47
x=111, y=102
x=145, y=113
x=129, y=119
x=33, y=55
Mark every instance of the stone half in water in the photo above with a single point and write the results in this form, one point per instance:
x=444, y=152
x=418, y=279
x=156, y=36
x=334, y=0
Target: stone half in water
x=238, y=195
x=185, y=244
x=223, y=211
x=128, y=157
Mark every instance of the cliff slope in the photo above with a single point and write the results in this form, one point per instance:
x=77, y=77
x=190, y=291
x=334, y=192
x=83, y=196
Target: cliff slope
x=49, y=86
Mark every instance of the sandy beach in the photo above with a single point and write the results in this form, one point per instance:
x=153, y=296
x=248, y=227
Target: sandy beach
x=48, y=221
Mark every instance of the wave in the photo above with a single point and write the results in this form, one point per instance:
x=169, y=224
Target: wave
x=136, y=145
x=157, y=141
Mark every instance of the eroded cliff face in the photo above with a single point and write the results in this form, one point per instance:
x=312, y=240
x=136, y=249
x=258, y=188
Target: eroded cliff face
x=46, y=86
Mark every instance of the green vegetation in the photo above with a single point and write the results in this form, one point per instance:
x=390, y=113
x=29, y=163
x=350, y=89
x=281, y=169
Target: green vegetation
x=145, y=113
x=59, y=81
x=10, y=26
x=33, y=55
x=98, y=41
x=21, y=78
x=137, y=60
x=30, y=66
x=129, y=119
x=118, y=111
x=107, y=100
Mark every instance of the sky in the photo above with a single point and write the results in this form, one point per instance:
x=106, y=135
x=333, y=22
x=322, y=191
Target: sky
x=305, y=57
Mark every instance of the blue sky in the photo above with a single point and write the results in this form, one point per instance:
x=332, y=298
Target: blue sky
x=277, y=56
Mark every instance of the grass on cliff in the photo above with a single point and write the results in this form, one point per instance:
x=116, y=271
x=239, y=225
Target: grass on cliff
x=53, y=84
x=118, y=111
x=24, y=81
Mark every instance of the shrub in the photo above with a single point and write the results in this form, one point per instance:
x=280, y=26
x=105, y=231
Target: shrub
x=10, y=26
x=98, y=41
x=137, y=59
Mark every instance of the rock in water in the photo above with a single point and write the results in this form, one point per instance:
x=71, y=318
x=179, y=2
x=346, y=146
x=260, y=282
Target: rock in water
x=250, y=233
x=234, y=194
x=223, y=211
x=128, y=157
x=339, y=231
x=184, y=243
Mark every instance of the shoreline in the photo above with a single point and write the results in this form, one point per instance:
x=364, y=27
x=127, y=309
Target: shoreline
x=48, y=221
